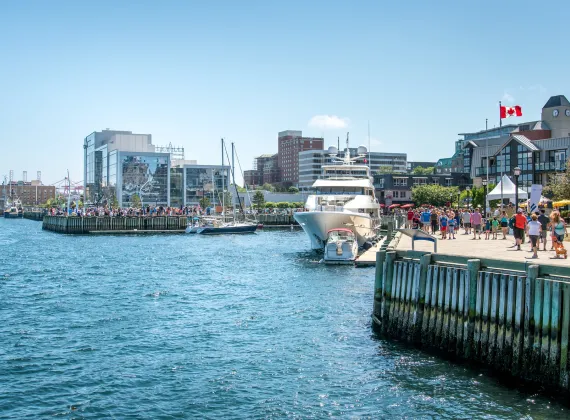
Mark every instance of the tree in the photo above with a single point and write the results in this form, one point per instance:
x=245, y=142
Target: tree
x=114, y=201
x=293, y=190
x=268, y=187
x=258, y=199
x=205, y=202
x=136, y=201
x=435, y=195
x=233, y=188
x=283, y=205
x=269, y=205
x=420, y=170
x=558, y=187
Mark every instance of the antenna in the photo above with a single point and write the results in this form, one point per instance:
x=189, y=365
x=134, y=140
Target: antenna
x=369, y=167
x=25, y=176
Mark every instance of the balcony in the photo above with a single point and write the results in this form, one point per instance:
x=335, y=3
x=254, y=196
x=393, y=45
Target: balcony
x=550, y=166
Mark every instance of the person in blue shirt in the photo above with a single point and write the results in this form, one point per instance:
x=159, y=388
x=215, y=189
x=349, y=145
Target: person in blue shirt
x=425, y=219
x=443, y=225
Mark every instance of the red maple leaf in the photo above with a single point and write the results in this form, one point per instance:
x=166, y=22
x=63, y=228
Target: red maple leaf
x=511, y=111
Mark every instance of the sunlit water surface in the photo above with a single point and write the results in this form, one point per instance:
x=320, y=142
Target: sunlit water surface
x=184, y=326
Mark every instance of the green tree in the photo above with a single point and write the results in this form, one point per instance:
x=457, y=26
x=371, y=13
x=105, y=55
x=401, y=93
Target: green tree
x=269, y=205
x=136, y=201
x=268, y=187
x=258, y=199
x=293, y=190
x=435, y=195
x=205, y=202
x=558, y=186
x=420, y=170
x=283, y=205
x=233, y=188
x=114, y=201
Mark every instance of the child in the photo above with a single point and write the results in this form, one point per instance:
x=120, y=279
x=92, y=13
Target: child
x=451, y=223
x=487, y=227
x=443, y=223
x=495, y=227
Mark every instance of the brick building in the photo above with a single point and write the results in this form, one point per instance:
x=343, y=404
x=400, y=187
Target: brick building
x=265, y=170
x=32, y=193
x=290, y=143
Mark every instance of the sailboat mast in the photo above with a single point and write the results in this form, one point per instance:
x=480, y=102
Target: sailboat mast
x=222, y=172
x=234, y=180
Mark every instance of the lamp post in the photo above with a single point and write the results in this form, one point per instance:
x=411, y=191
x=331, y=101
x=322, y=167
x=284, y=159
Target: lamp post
x=468, y=189
x=485, y=192
x=517, y=172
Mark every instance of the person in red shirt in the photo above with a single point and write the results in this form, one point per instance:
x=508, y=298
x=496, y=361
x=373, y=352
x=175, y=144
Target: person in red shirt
x=410, y=218
x=520, y=226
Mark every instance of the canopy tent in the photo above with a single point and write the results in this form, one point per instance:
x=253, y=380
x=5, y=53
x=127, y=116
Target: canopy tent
x=407, y=206
x=561, y=203
x=508, y=190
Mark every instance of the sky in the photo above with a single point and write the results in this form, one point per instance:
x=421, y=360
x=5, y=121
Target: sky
x=190, y=72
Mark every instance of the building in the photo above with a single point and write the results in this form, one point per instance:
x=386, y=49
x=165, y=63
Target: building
x=30, y=193
x=189, y=183
x=290, y=144
x=121, y=165
x=265, y=171
x=397, y=189
x=443, y=166
x=539, y=148
x=312, y=161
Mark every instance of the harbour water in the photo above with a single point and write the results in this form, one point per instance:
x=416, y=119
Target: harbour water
x=187, y=326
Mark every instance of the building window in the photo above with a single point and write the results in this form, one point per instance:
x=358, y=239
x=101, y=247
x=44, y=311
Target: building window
x=400, y=182
x=448, y=182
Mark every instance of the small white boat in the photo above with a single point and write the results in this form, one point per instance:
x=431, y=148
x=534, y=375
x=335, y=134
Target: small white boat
x=341, y=246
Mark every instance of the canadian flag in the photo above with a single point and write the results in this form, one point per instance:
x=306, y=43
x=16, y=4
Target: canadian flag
x=511, y=111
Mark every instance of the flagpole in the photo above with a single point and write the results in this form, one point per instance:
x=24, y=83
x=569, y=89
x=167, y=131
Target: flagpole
x=486, y=189
x=503, y=159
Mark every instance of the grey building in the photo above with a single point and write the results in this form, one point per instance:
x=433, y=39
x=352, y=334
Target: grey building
x=397, y=188
x=121, y=164
x=312, y=161
x=539, y=148
x=189, y=183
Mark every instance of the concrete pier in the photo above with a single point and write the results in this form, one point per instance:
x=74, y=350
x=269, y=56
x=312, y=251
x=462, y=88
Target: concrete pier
x=511, y=316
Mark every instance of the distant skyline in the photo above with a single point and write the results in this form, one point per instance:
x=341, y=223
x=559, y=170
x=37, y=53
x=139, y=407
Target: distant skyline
x=191, y=72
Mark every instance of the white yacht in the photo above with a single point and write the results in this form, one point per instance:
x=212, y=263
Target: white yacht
x=344, y=198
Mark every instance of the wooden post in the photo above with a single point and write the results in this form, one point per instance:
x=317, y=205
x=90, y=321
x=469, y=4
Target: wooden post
x=554, y=356
x=545, y=330
x=519, y=323
x=378, y=284
x=499, y=355
x=494, y=318
x=564, y=336
x=387, y=292
x=473, y=267
x=420, y=297
x=528, y=338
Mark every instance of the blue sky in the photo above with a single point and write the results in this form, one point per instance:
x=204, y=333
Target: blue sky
x=190, y=72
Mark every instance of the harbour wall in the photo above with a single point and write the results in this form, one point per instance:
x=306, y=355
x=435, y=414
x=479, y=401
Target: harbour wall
x=34, y=215
x=509, y=316
x=117, y=224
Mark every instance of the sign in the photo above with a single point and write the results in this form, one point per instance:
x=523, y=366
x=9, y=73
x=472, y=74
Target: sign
x=535, y=193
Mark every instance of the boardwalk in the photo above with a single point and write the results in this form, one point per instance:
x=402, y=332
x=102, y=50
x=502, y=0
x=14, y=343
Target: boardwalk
x=496, y=249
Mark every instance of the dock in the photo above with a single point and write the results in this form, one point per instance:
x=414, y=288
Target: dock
x=479, y=301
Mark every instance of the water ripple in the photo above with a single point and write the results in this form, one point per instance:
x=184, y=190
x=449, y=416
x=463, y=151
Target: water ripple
x=187, y=326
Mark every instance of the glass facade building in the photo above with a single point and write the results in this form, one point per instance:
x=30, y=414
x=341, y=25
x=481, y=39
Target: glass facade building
x=146, y=175
x=176, y=187
x=205, y=181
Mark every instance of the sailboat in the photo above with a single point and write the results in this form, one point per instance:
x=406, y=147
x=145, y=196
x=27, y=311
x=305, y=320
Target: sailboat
x=223, y=227
x=14, y=210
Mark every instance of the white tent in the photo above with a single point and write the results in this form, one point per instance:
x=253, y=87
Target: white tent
x=508, y=191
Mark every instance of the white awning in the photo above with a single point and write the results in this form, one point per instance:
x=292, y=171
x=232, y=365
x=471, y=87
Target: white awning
x=331, y=183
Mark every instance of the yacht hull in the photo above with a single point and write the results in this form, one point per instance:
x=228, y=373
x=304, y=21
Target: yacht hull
x=316, y=224
x=10, y=215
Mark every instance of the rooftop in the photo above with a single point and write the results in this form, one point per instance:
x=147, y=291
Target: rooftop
x=558, y=100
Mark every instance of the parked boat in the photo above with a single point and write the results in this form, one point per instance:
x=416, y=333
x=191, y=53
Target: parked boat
x=14, y=210
x=230, y=228
x=341, y=247
x=344, y=198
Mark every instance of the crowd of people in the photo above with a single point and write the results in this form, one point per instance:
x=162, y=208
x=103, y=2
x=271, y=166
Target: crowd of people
x=448, y=222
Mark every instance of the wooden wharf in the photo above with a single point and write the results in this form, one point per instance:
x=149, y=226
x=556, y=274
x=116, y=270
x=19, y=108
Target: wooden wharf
x=510, y=316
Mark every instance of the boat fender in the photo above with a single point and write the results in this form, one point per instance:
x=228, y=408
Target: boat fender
x=339, y=248
x=367, y=245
